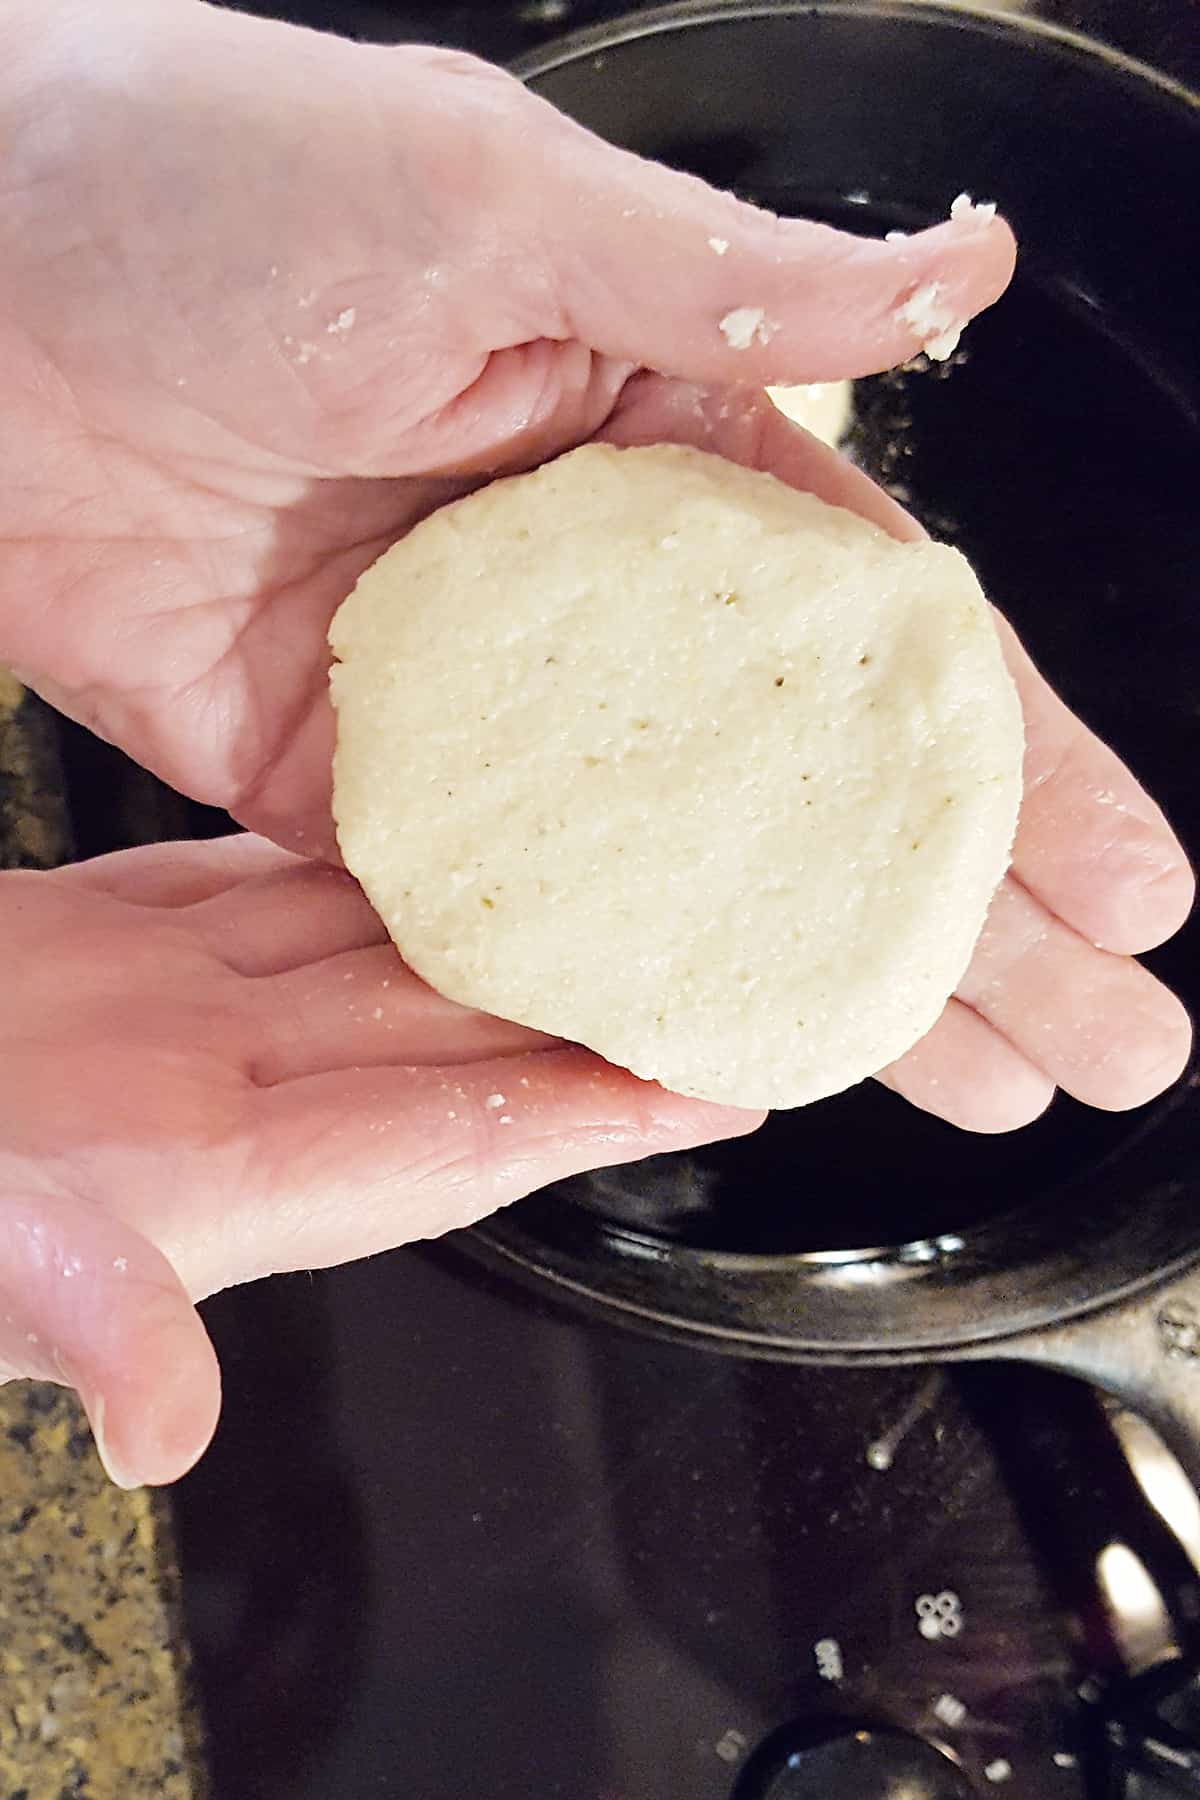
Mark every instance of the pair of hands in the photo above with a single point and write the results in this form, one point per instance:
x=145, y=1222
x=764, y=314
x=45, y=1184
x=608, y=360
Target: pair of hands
x=266, y=299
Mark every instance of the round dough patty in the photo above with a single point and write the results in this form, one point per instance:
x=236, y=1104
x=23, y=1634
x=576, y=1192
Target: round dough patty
x=652, y=752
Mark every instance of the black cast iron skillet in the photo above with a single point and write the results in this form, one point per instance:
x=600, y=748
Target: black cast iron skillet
x=1063, y=454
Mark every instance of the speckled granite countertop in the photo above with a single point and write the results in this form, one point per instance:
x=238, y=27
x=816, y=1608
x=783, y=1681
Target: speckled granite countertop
x=94, y=1701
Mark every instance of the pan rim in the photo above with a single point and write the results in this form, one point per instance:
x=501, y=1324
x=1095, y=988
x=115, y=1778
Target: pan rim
x=970, y=15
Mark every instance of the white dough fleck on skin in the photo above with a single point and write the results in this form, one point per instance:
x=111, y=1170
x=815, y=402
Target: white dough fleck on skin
x=120, y=1264
x=791, y=749
x=925, y=309
x=926, y=312
x=378, y=1013
x=506, y=1118
x=718, y=245
x=963, y=207
x=746, y=325
x=943, y=346
x=344, y=320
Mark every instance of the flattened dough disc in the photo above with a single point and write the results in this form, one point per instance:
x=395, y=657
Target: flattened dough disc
x=649, y=751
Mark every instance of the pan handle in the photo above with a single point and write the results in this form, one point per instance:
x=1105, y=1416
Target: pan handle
x=1145, y=1351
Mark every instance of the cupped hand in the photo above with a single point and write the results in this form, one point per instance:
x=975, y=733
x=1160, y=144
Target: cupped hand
x=266, y=297
x=213, y=1067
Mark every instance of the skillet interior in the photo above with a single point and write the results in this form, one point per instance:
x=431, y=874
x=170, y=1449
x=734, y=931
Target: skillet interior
x=1061, y=452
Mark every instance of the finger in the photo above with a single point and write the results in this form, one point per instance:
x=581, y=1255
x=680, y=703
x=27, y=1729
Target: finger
x=367, y=1009
x=743, y=426
x=178, y=874
x=647, y=263
x=529, y=403
x=1099, y=1026
x=298, y=915
x=966, y=1073
x=88, y=1302
x=356, y=1162
x=1091, y=844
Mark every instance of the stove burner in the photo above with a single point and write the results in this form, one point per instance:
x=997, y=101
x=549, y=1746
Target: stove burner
x=853, y=1764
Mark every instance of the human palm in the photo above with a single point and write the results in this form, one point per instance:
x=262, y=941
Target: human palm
x=265, y=299
x=216, y=1068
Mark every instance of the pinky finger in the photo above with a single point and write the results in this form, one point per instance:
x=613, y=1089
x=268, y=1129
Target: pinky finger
x=965, y=1072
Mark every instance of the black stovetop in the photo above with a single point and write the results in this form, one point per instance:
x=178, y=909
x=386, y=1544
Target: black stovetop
x=454, y=1539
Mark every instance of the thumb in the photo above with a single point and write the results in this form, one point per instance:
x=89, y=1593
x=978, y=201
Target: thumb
x=656, y=268
x=86, y=1301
